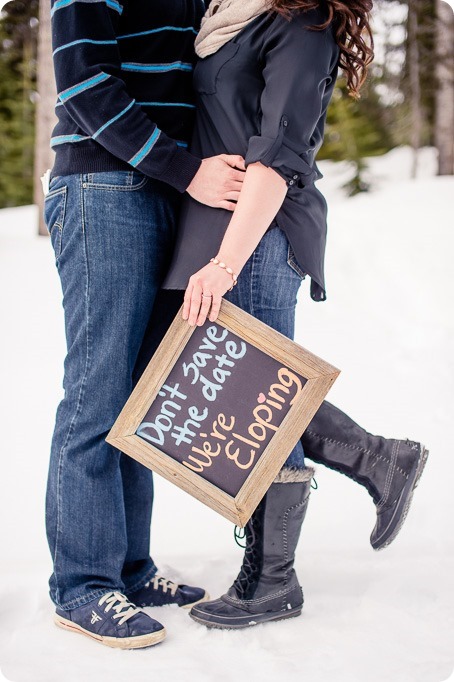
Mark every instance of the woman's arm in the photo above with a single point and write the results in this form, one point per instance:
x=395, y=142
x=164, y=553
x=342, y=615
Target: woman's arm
x=260, y=199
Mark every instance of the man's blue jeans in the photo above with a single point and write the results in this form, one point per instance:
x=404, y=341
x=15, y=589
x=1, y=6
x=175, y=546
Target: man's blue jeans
x=112, y=234
x=267, y=289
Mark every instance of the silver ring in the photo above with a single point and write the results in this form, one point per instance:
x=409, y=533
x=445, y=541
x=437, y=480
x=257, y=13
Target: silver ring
x=207, y=295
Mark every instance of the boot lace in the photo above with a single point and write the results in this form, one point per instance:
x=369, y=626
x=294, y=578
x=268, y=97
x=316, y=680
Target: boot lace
x=249, y=574
x=159, y=582
x=124, y=609
x=239, y=534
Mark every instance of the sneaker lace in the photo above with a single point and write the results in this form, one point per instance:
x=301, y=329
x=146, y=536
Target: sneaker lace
x=158, y=581
x=124, y=609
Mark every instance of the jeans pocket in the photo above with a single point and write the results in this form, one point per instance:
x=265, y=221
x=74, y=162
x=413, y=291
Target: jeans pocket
x=115, y=181
x=292, y=262
x=54, y=217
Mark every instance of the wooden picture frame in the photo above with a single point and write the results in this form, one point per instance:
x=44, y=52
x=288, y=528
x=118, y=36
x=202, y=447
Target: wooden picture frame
x=319, y=377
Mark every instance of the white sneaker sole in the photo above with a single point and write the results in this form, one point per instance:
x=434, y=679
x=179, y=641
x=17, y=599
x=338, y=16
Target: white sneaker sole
x=138, y=642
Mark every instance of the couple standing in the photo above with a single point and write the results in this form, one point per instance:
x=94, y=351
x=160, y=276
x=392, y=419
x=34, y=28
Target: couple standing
x=130, y=209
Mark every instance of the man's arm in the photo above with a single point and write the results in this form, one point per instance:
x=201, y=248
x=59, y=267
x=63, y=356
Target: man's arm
x=88, y=72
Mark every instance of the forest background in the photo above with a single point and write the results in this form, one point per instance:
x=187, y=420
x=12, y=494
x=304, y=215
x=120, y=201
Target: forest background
x=408, y=98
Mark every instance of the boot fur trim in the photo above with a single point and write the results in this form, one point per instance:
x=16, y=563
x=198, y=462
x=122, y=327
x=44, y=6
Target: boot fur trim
x=292, y=475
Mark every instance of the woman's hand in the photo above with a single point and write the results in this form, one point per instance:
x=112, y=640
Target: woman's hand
x=204, y=294
x=261, y=197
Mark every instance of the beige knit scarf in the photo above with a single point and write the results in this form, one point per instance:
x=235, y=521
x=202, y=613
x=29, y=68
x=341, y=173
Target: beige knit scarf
x=223, y=20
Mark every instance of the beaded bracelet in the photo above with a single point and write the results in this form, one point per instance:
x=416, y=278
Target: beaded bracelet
x=222, y=265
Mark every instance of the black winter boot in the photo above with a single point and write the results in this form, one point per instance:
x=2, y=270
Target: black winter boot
x=389, y=469
x=266, y=587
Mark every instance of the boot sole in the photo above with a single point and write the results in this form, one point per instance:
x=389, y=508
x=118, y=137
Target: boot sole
x=139, y=642
x=403, y=506
x=252, y=620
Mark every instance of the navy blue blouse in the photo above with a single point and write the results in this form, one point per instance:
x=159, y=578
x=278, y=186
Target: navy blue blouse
x=264, y=95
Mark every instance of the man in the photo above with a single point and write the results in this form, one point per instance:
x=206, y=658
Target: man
x=125, y=113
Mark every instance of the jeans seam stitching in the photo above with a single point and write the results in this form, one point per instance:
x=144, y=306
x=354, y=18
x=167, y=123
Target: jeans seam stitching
x=117, y=188
x=73, y=420
x=251, y=288
x=81, y=601
x=292, y=263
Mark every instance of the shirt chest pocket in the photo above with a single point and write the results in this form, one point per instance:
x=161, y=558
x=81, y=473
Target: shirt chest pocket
x=209, y=70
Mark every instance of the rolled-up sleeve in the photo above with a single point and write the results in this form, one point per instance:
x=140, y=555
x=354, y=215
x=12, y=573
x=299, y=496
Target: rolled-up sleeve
x=299, y=64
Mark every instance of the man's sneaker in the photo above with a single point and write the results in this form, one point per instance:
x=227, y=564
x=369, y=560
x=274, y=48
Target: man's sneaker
x=114, y=621
x=161, y=592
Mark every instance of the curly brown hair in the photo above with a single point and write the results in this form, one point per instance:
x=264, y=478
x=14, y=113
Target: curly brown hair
x=351, y=25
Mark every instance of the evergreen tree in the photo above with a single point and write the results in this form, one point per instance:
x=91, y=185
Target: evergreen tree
x=18, y=34
x=355, y=129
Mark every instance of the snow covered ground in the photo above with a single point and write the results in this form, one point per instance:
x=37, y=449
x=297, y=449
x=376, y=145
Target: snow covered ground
x=388, y=324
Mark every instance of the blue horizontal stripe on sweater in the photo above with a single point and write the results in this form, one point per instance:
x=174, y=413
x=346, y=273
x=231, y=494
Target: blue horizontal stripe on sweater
x=157, y=30
x=146, y=149
x=83, y=40
x=156, y=68
x=112, y=120
x=71, y=139
x=61, y=4
x=81, y=87
x=64, y=139
x=166, y=104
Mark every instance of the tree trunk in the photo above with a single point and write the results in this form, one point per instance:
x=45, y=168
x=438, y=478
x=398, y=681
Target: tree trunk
x=444, y=119
x=45, y=114
x=415, y=86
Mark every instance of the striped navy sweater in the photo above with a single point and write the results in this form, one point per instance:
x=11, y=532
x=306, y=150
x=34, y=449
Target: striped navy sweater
x=124, y=79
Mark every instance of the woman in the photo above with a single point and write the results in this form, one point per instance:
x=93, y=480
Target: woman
x=264, y=80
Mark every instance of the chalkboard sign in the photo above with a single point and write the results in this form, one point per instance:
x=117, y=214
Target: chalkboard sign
x=220, y=407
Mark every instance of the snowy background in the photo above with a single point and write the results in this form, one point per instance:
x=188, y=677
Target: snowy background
x=388, y=324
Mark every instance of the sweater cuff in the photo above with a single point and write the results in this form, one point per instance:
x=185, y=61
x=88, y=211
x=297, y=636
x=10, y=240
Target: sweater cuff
x=181, y=170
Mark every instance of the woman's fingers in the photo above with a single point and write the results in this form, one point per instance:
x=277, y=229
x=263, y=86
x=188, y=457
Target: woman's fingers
x=195, y=302
x=187, y=300
x=215, y=307
x=203, y=295
x=204, y=309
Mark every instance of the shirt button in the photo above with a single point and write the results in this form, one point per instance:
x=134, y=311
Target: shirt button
x=292, y=182
x=295, y=177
